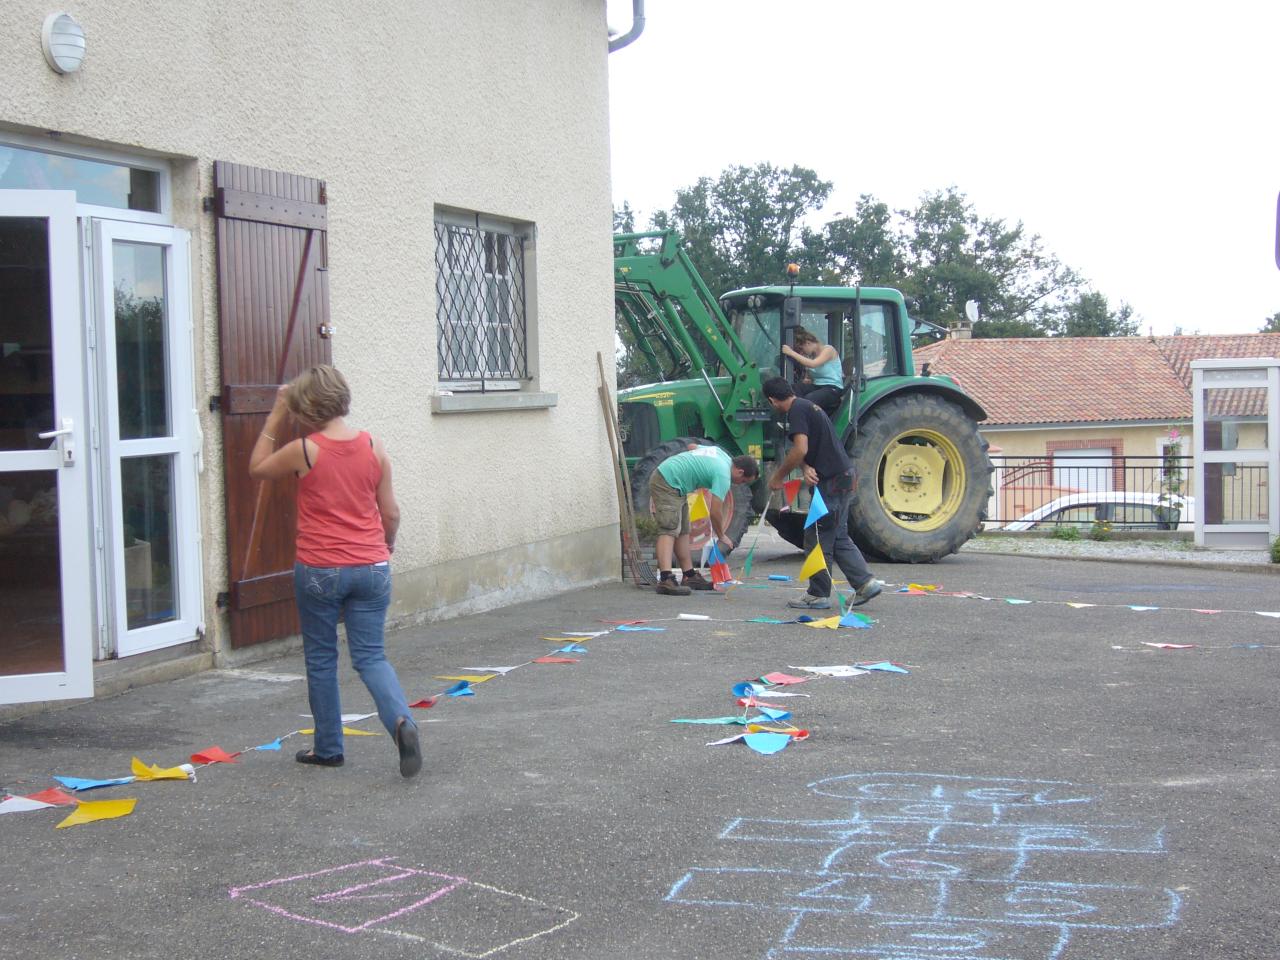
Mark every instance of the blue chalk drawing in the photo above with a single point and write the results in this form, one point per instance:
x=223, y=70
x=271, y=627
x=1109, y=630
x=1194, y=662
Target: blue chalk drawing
x=939, y=867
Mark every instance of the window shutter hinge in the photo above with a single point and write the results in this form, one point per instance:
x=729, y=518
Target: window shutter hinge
x=206, y=204
x=223, y=601
x=215, y=403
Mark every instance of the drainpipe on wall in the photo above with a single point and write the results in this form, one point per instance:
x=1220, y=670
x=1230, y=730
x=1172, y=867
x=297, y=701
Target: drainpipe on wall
x=637, y=27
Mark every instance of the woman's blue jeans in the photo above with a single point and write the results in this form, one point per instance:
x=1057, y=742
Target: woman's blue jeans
x=362, y=594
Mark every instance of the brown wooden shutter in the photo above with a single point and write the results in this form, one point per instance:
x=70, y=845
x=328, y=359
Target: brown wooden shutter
x=273, y=317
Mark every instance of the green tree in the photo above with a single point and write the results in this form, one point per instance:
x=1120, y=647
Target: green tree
x=1090, y=315
x=624, y=219
x=862, y=249
x=953, y=255
x=1272, y=324
x=745, y=226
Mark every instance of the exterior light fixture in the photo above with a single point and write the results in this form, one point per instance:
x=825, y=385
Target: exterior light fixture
x=63, y=42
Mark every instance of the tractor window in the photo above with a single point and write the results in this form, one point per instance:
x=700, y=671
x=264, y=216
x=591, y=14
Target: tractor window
x=878, y=342
x=757, y=328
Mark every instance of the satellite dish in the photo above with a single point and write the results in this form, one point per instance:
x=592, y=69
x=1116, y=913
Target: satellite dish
x=971, y=310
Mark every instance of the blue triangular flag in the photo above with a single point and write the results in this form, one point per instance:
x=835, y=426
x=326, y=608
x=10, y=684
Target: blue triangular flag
x=572, y=648
x=273, y=745
x=460, y=689
x=772, y=714
x=766, y=742
x=859, y=621
x=80, y=783
x=817, y=509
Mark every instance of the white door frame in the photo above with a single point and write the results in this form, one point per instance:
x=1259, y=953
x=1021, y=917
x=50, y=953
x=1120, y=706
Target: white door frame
x=181, y=445
x=67, y=454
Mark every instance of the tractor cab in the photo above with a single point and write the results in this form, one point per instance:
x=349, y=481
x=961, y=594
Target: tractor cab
x=877, y=344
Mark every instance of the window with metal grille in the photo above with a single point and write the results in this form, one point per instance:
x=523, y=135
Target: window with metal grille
x=481, y=322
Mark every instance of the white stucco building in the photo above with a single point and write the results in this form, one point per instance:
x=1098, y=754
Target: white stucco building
x=225, y=193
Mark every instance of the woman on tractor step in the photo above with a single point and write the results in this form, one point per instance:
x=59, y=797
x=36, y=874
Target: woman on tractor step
x=825, y=380
x=347, y=522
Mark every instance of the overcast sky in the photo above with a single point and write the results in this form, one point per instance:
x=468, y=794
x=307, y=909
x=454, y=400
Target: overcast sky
x=1141, y=141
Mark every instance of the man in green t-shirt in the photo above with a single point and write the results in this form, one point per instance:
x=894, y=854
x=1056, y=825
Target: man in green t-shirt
x=678, y=476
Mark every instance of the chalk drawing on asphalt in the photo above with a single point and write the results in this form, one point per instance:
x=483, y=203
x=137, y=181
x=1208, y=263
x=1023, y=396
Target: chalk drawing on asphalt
x=940, y=867
x=453, y=914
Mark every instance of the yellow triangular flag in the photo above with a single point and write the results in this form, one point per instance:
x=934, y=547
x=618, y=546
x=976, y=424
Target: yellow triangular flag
x=830, y=623
x=814, y=563
x=151, y=772
x=697, y=508
x=1078, y=606
x=91, y=810
x=472, y=677
x=349, y=731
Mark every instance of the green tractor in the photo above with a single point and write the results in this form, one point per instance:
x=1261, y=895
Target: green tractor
x=924, y=474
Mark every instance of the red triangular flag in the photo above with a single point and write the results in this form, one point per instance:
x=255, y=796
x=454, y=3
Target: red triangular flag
x=214, y=755
x=54, y=795
x=426, y=703
x=720, y=573
x=789, y=490
x=555, y=660
x=625, y=623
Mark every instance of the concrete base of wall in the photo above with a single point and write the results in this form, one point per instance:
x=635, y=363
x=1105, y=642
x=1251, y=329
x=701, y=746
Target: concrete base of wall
x=452, y=589
x=526, y=572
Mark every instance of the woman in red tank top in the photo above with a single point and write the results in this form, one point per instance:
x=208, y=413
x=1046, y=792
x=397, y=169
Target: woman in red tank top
x=347, y=521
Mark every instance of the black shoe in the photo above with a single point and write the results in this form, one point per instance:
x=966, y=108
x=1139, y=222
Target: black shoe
x=696, y=581
x=306, y=756
x=410, y=753
x=669, y=588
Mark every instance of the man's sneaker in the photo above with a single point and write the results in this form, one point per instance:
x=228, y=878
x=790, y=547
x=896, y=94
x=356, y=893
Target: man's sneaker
x=810, y=602
x=868, y=591
x=696, y=581
x=669, y=588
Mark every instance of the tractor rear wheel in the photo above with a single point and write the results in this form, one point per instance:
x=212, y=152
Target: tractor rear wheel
x=924, y=479
x=737, y=504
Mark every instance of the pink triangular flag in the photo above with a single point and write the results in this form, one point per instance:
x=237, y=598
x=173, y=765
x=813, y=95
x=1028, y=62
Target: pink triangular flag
x=783, y=679
x=554, y=660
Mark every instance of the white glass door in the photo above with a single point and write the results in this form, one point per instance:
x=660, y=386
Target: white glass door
x=46, y=595
x=150, y=431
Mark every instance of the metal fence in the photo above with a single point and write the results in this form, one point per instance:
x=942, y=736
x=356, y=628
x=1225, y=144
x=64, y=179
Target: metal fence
x=1063, y=490
x=1138, y=493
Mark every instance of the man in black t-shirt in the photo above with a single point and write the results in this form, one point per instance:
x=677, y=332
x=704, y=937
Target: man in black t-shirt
x=826, y=466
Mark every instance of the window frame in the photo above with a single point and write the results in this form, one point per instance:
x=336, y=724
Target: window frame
x=484, y=263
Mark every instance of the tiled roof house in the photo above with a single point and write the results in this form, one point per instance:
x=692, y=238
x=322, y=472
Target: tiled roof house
x=1060, y=411
x=1061, y=381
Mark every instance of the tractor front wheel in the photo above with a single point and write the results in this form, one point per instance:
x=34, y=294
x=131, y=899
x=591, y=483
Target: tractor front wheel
x=924, y=479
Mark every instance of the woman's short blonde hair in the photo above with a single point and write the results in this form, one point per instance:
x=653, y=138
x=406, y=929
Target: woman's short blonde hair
x=319, y=395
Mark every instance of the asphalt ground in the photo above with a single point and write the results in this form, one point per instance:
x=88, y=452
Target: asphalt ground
x=1042, y=784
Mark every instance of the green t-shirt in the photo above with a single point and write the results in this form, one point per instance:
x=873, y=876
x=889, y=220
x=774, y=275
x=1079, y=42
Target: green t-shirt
x=695, y=469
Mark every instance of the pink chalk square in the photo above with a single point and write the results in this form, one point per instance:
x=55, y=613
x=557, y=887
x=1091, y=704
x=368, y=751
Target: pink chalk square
x=353, y=897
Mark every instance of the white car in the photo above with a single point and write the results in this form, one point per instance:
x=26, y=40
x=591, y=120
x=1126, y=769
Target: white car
x=1123, y=510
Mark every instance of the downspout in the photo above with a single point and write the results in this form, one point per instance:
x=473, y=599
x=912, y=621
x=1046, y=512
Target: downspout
x=637, y=27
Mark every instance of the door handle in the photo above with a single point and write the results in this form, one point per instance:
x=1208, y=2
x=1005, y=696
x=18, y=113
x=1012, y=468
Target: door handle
x=63, y=435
